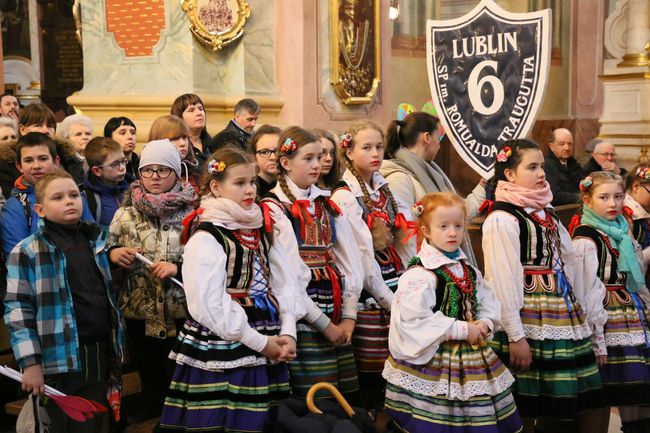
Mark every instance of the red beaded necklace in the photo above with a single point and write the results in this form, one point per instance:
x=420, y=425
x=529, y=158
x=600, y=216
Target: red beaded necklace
x=548, y=222
x=248, y=238
x=380, y=203
x=611, y=249
x=465, y=283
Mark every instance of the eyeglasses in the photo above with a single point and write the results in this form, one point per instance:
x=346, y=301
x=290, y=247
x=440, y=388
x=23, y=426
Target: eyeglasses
x=162, y=172
x=115, y=165
x=266, y=153
x=607, y=154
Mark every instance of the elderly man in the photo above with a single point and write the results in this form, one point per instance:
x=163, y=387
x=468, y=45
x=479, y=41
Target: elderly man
x=562, y=170
x=243, y=124
x=604, y=159
x=9, y=106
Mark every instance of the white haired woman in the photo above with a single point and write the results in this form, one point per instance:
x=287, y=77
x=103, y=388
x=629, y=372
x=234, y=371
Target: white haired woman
x=74, y=133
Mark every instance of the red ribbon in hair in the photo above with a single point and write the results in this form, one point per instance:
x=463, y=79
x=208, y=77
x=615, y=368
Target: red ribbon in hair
x=268, y=219
x=337, y=210
x=486, y=206
x=574, y=223
x=402, y=223
x=336, y=293
x=377, y=215
x=299, y=210
x=187, y=224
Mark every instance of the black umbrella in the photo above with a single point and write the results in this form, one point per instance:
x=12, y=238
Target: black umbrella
x=299, y=416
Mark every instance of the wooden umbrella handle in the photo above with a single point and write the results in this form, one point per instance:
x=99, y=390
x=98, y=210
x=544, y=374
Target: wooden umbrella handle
x=332, y=390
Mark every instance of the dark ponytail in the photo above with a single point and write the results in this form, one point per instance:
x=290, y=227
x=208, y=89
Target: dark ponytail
x=406, y=132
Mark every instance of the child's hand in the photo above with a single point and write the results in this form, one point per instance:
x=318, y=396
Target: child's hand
x=335, y=334
x=347, y=325
x=288, y=348
x=273, y=349
x=520, y=355
x=123, y=256
x=164, y=270
x=33, y=380
x=482, y=326
x=602, y=360
x=474, y=335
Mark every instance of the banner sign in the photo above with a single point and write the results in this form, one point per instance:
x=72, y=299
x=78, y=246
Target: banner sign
x=487, y=73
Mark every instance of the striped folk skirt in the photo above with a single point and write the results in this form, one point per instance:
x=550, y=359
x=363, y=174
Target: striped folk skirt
x=462, y=389
x=317, y=360
x=563, y=379
x=626, y=376
x=243, y=399
x=370, y=337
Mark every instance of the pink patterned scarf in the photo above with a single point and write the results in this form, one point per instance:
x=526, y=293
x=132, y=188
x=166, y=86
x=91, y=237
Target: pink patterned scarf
x=519, y=196
x=169, y=207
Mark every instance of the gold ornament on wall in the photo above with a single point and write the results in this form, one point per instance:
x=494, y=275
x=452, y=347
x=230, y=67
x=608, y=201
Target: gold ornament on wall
x=217, y=23
x=355, y=61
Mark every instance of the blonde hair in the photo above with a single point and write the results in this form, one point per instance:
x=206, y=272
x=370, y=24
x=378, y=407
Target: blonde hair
x=382, y=234
x=598, y=178
x=41, y=185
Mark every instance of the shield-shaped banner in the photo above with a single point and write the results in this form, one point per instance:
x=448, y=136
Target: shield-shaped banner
x=487, y=72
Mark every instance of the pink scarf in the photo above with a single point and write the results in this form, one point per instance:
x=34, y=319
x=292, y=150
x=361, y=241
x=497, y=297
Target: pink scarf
x=519, y=196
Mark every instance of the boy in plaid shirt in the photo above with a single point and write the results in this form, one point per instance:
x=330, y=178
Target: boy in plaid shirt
x=60, y=307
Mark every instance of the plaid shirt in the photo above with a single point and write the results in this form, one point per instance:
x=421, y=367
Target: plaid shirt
x=38, y=305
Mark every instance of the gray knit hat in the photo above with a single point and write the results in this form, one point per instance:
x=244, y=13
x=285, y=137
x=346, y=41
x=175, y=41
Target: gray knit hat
x=161, y=152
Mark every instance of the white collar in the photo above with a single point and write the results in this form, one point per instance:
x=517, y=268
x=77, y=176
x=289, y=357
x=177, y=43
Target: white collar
x=638, y=212
x=433, y=258
x=377, y=180
x=311, y=193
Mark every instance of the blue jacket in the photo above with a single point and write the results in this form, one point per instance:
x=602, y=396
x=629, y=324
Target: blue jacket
x=110, y=197
x=38, y=306
x=13, y=218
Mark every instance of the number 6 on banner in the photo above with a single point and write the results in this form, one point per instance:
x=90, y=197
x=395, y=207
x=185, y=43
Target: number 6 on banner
x=475, y=88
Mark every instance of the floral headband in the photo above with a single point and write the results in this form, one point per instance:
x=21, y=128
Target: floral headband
x=418, y=209
x=215, y=166
x=345, y=141
x=586, y=183
x=643, y=173
x=288, y=146
x=504, y=154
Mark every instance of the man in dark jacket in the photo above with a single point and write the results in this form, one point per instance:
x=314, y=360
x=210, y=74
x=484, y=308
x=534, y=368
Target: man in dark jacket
x=562, y=170
x=604, y=159
x=243, y=124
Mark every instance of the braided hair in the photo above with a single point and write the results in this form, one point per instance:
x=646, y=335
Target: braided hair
x=381, y=233
x=300, y=137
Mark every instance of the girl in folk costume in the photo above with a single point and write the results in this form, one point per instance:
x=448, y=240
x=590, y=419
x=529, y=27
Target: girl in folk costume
x=243, y=299
x=636, y=208
x=365, y=198
x=442, y=375
x=302, y=214
x=529, y=263
x=609, y=264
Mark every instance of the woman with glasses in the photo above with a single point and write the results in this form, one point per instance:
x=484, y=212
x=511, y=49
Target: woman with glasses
x=330, y=173
x=175, y=129
x=264, y=146
x=411, y=146
x=149, y=223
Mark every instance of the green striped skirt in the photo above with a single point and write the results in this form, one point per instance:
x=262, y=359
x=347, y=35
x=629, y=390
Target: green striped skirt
x=563, y=379
x=317, y=360
x=416, y=413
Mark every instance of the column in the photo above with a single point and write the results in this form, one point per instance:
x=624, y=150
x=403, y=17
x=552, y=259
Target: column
x=638, y=33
